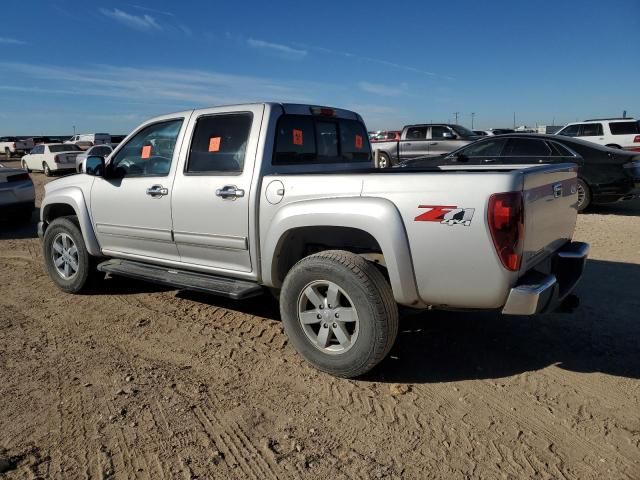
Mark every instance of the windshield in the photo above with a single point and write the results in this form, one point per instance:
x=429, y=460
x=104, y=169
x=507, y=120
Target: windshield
x=69, y=147
x=463, y=132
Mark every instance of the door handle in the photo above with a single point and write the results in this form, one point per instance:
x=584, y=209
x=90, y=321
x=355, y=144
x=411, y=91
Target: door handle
x=230, y=192
x=157, y=191
x=489, y=160
x=433, y=143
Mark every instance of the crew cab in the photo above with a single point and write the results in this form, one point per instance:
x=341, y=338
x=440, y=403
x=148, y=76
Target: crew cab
x=237, y=200
x=424, y=140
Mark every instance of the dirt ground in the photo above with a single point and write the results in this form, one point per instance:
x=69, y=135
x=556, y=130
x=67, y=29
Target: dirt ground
x=138, y=381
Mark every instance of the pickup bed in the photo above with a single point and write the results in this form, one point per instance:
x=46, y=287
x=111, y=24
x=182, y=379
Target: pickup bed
x=240, y=199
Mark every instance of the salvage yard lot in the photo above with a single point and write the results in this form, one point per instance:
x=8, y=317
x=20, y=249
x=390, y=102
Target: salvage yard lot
x=139, y=381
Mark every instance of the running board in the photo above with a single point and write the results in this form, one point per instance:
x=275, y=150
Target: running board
x=200, y=282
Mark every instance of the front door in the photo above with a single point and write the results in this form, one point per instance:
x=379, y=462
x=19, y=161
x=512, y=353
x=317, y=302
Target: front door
x=131, y=207
x=415, y=144
x=212, y=189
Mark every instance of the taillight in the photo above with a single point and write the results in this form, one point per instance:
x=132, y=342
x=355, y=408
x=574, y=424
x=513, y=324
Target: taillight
x=506, y=223
x=56, y=159
x=322, y=111
x=14, y=145
x=636, y=139
x=18, y=178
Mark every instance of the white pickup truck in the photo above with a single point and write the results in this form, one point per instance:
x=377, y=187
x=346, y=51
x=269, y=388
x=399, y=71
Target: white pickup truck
x=239, y=199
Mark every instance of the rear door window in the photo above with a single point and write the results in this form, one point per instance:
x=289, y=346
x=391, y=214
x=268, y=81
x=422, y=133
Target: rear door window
x=591, y=130
x=489, y=148
x=219, y=143
x=305, y=139
x=417, y=133
x=526, y=147
x=624, y=128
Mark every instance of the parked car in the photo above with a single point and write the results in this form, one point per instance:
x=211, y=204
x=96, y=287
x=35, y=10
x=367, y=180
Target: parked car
x=17, y=194
x=386, y=135
x=604, y=175
x=100, y=150
x=500, y=131
x=42, y=140
x=116, y=140
x=14, y=146
x=481, y=133
x=622, y=133
x=285, y=197
x=422, y=141
x=52, y=157
x=87, y=140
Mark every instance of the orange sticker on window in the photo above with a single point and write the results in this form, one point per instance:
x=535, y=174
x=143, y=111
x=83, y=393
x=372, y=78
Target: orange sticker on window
x=214, y=144
x=146, y=151
x=298, y=139
x=358, y=142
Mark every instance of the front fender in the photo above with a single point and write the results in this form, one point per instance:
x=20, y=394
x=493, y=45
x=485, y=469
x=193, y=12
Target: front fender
x=376, y=216
x=74, y=198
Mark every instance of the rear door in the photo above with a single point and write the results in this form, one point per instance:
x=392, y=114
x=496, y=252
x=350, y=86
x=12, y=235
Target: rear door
x=592, y=132
x=212, y=189
x=415, y=143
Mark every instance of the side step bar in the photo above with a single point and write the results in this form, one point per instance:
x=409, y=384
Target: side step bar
x=200, y=282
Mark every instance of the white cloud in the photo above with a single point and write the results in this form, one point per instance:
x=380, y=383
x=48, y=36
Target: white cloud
x=277, y=48
x=153, y=10
x=11, y=41
x=386, y=90
x=140, y=22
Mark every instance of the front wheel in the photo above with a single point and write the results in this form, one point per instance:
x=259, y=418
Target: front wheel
x=339, y=312
x=46, y=170
x=584, y=195
x=25, y=166
x=384, y=161
x=66, y=258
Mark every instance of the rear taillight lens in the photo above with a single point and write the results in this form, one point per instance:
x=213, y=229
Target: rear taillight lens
x=14, y=144
x=636, y=139
x=18, y=178
x=506, y=223
x=57, y=159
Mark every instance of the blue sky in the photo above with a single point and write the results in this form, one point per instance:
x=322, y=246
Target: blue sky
x=108, y=65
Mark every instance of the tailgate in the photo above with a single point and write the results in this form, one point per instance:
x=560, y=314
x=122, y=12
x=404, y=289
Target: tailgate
x=550, y=211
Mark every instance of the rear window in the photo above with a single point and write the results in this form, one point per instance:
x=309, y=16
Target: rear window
x=68, y=147
x=624, y=128
x=305, y=139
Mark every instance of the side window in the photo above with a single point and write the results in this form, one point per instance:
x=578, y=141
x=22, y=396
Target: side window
x=438, y=132
x=490, y=148
x=560, y=150
x=219, y=143
x=624, y=128
x=353, y=141
x=417, y=133
x=527, y=147
x=570, y=131
x=591, y=129
x=149, y=152
x=39, y=149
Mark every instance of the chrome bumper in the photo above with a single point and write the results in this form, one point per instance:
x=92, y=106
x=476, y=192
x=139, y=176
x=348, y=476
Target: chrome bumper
x=541, y=293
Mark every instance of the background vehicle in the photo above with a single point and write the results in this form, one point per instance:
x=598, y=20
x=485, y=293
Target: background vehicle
x=621, y=133
x=51, y=157
x=100, y=150
x=386, y=135
x=17, y=195
x=500, y=131
x=14, y=146
x=87, y=140
x=422, y=141
x=233, y=199
x=604, y=174
x=481, y=133
x=116, y=140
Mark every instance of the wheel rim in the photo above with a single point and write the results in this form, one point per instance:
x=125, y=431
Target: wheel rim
x=64, y=254
x=581, y=195
x=382, y=163
x=328, y=317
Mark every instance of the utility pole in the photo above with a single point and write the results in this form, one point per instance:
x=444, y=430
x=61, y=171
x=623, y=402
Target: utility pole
x=74, y=130
x=473, y=114
x=456, y=114
x=514, y=120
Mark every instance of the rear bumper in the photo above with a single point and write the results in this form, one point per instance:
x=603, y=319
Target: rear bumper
x=540, y=293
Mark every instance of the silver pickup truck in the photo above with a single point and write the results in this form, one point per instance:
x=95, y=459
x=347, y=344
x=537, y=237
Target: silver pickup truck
x=236, y=200
x=423, y=140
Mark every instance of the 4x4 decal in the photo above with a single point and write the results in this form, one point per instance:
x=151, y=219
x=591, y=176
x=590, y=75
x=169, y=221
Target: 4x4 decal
x=447, y=214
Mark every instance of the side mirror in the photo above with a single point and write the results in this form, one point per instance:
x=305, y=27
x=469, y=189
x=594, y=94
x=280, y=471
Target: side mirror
x=448, y=135
x=94, y=165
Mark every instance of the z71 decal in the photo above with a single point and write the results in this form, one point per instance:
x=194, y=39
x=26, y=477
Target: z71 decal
x=447, y=214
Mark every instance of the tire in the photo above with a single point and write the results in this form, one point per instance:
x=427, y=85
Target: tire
x=7, y=153
x=25, y=166
x=344, y=348
x=78, y=279
x=46, y=169
x=584, y=195
x=384, y=161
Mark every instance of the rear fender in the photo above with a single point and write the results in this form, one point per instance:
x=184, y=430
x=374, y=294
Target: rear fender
x=376, y=216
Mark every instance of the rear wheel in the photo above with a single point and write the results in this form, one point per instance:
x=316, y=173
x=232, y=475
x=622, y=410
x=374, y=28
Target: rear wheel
x=383, y=160
x=339, y=312
x=66, y=258
x=46, y=169
x=7, y=152
x=584, y=195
